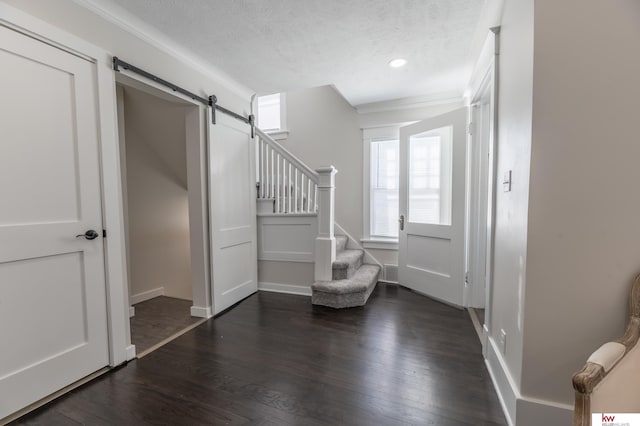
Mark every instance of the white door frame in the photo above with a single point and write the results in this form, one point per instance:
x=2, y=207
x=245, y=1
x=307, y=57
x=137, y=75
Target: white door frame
x=486, y=73
x=120, y=348
x=197, y=183
x=477, y=197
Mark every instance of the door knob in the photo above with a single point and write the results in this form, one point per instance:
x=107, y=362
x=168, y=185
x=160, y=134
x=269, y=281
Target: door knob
x=401, y=220
x=89, y=235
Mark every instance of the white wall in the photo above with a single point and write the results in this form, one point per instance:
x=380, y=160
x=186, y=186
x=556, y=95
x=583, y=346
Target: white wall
x=514, y=151
x=138, y=50
x=292, y=275
x=158, y=211
x=376, y=118
x=566, y=236
x=584, y=226
x=324, y=131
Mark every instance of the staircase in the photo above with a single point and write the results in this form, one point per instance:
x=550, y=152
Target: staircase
x=352, y=281
x=288, y=188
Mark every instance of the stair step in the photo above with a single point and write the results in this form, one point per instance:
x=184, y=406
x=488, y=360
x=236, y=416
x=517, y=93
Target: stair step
x=341, y=243
x=346, y=264
x=348, y=292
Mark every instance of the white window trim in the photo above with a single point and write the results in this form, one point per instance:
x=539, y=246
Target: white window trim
x=371, y=135
x=283, y=132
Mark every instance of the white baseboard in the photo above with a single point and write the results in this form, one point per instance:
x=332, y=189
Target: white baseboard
x=300, y=290
x=534, y=412
x=518, y=409
x=201, y=312
x=131, y=352
x=146, y=295
x=502, y=381
x=132, y=311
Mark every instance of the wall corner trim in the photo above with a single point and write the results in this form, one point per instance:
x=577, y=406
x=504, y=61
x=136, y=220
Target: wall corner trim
x=201, y=311
x=519, y=409
x=131, y=352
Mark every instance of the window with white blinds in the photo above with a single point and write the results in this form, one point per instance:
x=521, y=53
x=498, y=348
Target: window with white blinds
x=429, y=191
x=384, y=178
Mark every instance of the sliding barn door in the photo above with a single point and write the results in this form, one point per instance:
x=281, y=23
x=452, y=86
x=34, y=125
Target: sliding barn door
x=53, y=309
x=232, y=185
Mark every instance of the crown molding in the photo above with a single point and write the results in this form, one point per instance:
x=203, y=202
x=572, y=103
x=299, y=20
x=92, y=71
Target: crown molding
x=414, y=102
x=128, y=22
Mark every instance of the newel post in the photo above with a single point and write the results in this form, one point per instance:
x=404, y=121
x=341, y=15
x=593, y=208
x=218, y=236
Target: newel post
x=325, y=242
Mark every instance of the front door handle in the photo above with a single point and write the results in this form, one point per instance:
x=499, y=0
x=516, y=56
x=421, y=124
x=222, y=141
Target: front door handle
x=401, y=220
x=89, y=235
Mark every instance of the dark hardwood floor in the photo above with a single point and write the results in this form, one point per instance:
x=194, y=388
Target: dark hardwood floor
x=276, y=360
x=159, y=318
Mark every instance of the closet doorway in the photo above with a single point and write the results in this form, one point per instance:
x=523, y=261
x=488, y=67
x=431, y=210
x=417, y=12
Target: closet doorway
x=162, y=196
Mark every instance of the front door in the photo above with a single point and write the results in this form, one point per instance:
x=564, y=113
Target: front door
x=432, y=203
x=233, y=211
x=53, y=311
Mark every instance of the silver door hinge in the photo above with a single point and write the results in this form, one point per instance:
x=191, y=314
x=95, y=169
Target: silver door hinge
x=466, y=278
x=470, y=128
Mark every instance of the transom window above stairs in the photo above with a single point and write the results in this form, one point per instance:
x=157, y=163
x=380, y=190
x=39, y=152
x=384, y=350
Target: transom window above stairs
x=272, y=115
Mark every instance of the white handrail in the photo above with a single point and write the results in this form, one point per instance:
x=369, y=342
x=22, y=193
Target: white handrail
x=284, y=153
x=283, y=177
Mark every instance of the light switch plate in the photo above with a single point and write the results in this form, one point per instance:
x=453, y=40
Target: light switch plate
x=506, y=181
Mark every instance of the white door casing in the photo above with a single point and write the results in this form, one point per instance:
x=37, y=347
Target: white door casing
x=478, y=181
x=53, y=311
x=232, y=187
x=431, y=243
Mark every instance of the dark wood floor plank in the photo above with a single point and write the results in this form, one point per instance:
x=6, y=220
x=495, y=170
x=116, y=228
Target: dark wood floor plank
x=159, y=318
x=277, y=360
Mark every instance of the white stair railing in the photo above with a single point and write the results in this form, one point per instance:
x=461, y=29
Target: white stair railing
x=296, y=188
x=284, y=178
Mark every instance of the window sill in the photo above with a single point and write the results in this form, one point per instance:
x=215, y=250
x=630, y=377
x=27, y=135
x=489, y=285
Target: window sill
x=278, y=135
x=380, y=243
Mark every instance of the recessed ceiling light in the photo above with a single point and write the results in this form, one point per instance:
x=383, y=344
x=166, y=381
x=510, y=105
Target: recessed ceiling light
x=397, y=63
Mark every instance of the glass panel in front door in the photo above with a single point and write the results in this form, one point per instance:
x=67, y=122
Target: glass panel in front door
x=430, y=174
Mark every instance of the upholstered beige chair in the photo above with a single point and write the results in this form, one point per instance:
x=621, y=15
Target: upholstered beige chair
x=610, y=380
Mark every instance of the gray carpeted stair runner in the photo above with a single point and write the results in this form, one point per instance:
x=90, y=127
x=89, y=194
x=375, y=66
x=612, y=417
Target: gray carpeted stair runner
x=352, y=282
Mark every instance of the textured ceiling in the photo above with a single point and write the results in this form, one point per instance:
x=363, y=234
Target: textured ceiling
x=280, y=45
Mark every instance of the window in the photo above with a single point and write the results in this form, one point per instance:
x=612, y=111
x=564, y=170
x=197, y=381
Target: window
x=381, y=181
x=430, y=177
x=384, y=189
x=272, y=115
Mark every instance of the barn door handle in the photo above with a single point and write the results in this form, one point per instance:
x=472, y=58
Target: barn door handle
x=401, y=220
x=89, y=235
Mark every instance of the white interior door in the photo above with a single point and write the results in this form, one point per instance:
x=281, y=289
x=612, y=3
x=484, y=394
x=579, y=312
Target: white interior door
x=53, y=308
x=233, y=211
x=432, y=204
